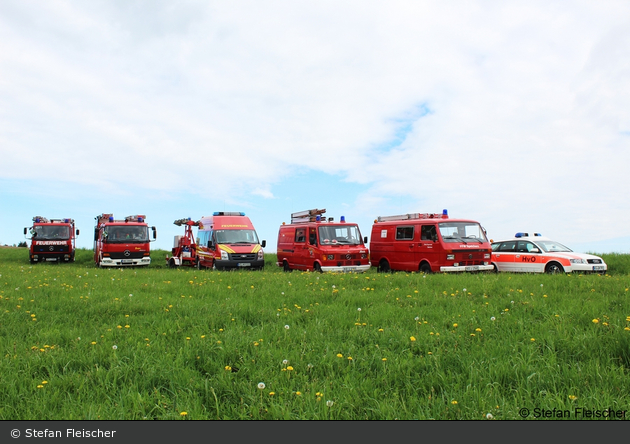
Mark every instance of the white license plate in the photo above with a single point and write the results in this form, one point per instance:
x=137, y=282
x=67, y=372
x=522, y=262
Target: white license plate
x=51, y=259
x=126, y=261
x=348, y=269
x=472, y=268
x=243, y=264
x=598, y=267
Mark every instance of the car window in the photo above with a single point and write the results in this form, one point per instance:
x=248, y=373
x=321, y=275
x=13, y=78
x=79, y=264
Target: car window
x=509, y=246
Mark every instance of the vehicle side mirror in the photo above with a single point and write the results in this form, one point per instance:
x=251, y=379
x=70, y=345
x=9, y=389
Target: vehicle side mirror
x=210, y=245
x=263, y=244
x=25, y=230
x=95, y=235
x=365, y=240
x=77, y=232
x=154, y=233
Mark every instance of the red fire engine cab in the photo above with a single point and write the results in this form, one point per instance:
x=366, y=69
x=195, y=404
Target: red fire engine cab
x=429, y=242
x=184, y=250
x=122, y=243
x=310, y=242
x=51, y=240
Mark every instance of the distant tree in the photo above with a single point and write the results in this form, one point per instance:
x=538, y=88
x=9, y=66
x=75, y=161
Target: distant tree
x=22, y=244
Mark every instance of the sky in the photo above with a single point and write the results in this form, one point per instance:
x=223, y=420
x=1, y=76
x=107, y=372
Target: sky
x=515, y=114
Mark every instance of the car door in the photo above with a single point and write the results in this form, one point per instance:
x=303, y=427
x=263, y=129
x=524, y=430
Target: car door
x=504, y=256
x=528, y=258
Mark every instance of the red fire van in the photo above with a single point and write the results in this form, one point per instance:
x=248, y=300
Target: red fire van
x=429, y=242
x=310, y=242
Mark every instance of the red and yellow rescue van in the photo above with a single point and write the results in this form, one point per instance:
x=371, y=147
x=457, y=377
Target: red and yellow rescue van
x=310, y=242
x=429, y=242
x=228, y=240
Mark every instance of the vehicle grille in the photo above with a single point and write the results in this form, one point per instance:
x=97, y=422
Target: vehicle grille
x=50, y=249
x=594, y=261
x=467, y=257
x=243, y=257
x=121, y=255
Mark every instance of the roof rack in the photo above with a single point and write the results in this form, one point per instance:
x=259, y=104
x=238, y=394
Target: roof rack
x=307, y=216
x=410, y=216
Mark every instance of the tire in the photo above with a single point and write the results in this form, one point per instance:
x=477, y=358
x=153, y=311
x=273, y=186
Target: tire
x=198, y=265
x=317, y=268
x=554, y=268
x=495, y=269
x=285, y=267
x=171, y=263
x=383, y=267
x=425, y=268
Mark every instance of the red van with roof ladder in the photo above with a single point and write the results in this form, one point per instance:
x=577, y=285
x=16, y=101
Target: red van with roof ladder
x=429, y=242
x=310, y=242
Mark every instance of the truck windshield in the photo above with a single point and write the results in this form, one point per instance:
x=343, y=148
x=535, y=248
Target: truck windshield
x=50, y=232
x=236, y=237
x=340, y=234
x=462, y=232
x=126, y=233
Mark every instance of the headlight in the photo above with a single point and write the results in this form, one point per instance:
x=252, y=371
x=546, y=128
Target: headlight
x=577, y=261
x=224, y=255
x=450, y=257
x=261, y=254
x=486, y=256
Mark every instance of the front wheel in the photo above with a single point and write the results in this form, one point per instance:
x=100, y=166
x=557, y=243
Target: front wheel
x=285, y=267
x=317, y=268
x=554, y=268
x=425, y=268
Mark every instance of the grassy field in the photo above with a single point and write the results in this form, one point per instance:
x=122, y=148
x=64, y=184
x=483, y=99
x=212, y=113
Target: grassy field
x=79, y=342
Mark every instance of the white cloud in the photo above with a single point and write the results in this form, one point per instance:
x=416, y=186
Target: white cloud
x=527, y=101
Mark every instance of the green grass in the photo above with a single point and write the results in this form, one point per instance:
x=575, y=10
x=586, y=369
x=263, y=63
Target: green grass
x=152, y=343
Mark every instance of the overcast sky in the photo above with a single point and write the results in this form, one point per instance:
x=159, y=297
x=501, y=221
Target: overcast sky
x=515, y=114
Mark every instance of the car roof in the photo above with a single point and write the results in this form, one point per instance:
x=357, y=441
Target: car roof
x=524, y=236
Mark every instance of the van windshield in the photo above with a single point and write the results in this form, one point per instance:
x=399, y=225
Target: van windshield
x=43, y=232
x=236, y=237
x=126, y=234
x=462, y=232
x=340, y=234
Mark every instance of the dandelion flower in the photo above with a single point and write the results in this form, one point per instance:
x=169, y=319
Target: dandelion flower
x=455, y=325
x=412, y=339
x=595, y=321
x=183, y=414
x=261, y=385
x=454, y=402
x=489, y=416
x=329, y=403
x=493, y=318
x=115, y=347
x=289, y=368
x=359, y=309
x=285, y=361
x=572, y=397
x=286, y=327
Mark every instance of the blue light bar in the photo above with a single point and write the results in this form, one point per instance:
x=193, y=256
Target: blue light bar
x=318, y=218
x=343, y=218
x=444, y=212
x=111, y=218
x=519, y=234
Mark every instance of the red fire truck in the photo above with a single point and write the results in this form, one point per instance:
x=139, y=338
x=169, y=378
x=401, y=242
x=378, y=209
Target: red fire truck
x=429, y=242
x=52, y=240
x=227, y=240
x=310, y=242
x=184, y=250
x=122, y=243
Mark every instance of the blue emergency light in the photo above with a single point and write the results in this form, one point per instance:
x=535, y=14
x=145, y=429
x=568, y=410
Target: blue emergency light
x=444, y=212
x=111, y=218
x=318, y=218
x=37, y=220
x=343, y=218
x=140, y=219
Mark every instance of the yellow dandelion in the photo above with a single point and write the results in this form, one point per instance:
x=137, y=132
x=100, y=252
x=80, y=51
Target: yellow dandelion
x=298, y=393
x=183, y=414
x=339, y=355
x=455, y=325
x=412, y=339
x=477, y=329
x=454, y=402
x=228, y=368
x=572, y=397
x=289, y=368
x=595, y=321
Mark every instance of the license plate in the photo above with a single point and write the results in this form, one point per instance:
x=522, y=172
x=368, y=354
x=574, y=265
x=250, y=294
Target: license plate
x=472, y=268
x=126, y=261
x=51, y=259
x=598, y=267
x=348, y=269
x=243, y=264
